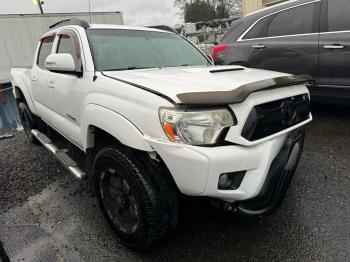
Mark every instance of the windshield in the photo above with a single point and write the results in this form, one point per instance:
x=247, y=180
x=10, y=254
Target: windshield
x=131, y=49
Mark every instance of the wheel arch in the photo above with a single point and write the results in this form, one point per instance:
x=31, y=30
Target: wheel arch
x=21, y=93
x=100, y=121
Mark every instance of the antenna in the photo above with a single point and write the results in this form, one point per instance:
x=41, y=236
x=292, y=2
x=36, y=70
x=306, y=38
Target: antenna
x=90, y=11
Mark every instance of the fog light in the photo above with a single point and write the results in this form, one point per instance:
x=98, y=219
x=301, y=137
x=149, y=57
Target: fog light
x=230, y=181
x=224, y=181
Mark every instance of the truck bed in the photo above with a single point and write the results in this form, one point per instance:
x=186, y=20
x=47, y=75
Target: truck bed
x=25, y=72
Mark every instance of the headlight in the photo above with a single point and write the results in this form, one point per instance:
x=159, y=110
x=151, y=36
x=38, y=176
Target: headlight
x=195, y=127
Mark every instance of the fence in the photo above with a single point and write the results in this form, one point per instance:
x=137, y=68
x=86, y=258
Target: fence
x=9, y=117
x=206, y=34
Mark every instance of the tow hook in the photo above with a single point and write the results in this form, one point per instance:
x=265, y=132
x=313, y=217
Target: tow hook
x=226, y=206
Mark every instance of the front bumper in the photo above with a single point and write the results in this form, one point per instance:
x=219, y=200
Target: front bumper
x=277, y=181
x=196, y=170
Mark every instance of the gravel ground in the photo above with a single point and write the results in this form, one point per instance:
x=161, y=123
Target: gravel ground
x=25, y=170
x=46, y=215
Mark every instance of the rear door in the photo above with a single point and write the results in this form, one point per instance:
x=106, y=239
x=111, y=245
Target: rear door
x=286, y=40
x=334, y=65
x=40, y=74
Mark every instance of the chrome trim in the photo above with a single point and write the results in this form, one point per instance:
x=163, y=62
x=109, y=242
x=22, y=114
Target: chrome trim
x=259, y=46
x=47, y=143
x=334, y=32
x=276, y=12
x=280, y=36
x=334, y=47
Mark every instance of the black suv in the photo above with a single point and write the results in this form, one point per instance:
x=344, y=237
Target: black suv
x=296, y=37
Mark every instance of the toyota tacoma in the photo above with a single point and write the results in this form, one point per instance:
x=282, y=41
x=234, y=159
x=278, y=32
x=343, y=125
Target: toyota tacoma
x=156, y=119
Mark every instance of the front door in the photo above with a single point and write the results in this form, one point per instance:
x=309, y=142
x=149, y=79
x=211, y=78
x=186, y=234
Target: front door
x=334, y=65
x=66, y=89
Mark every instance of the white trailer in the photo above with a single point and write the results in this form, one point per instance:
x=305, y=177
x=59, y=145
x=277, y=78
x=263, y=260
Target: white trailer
x=19, y=35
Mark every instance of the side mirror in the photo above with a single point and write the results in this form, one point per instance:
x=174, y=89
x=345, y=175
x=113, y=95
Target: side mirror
x=61, y=63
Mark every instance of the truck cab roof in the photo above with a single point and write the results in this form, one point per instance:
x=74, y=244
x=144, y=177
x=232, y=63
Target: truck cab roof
x=106, y=26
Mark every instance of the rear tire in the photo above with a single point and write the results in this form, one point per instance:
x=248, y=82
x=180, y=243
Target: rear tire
x=28, y=121
x=138, y=201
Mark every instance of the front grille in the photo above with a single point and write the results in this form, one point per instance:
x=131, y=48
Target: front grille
x=272, y=117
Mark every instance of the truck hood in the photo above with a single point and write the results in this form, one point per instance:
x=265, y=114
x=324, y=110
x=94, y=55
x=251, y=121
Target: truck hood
x=199, y=85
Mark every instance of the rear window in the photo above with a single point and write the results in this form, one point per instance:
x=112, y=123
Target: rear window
x=338, y=15
x=294, y=21
x=45, y=50
x=259, y=30
x=234, y=31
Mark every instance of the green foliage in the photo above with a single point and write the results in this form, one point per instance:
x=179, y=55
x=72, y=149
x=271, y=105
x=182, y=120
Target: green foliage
x=205, y=10
x=199, y=11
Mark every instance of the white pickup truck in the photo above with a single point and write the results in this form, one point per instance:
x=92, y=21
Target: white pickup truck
x=156, y=119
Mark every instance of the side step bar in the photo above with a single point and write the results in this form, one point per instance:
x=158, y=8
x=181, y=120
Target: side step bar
x=61, y=155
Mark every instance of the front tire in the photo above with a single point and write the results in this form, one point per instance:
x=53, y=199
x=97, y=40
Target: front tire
x=138, y=201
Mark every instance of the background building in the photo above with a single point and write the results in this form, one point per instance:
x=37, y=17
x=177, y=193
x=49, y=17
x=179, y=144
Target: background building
x=249, y=6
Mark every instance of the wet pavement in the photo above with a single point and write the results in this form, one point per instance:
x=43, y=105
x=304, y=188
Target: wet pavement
x=47, y=215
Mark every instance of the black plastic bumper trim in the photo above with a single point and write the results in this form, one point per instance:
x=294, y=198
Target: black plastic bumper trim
x=277, y=181
x=273, y=117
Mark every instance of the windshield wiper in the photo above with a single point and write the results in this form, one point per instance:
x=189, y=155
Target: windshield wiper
x=127, y=68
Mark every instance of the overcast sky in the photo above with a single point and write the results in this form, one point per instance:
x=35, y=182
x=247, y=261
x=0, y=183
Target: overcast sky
x=136, y=12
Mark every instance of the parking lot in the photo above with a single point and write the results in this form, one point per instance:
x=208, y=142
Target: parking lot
x=47, y=215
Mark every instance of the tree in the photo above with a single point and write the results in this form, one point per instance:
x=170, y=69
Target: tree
x=204, y=10
x=199, y=10
x=222, y=9
x=231, y=7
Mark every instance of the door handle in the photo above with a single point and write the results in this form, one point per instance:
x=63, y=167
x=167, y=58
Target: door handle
x=259, y=46
x=51, y=84
x=334, y=47
x=33, y=78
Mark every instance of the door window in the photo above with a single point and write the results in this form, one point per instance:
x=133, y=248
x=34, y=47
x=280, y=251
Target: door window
x=338, y=15
x=69, y=44
x=259, y=30
x=294, y=21
x=45, y=50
